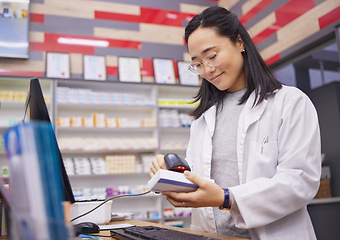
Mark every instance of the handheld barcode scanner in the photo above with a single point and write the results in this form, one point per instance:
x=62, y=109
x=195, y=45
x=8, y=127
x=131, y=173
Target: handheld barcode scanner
x=176, y=163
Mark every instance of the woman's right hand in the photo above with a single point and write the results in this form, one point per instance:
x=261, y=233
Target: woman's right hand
x=157, y=163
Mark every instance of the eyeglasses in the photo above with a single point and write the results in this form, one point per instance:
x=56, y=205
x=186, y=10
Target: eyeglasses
x=211, y=60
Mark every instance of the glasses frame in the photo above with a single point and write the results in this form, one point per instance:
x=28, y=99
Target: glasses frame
x=191, y=68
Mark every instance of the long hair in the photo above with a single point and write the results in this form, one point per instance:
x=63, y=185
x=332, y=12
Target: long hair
x=258, y=76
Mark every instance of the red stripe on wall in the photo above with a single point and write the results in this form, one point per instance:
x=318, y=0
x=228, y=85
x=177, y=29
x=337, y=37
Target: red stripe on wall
x=38, y=18
x=329, y=18
x=147, y=68
x=124, y=44
x=255, y=10
x=5, y=72
x=263, y=35
x=112, y=70
x=116, y=16
x=148, y=15
x=284, y=15
x=273, y=59
x=51, y=44
x=162, y=17
x=292, y=10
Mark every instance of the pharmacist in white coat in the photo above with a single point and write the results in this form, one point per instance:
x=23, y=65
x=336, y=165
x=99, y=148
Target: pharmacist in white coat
x=277, y=166
x=259, y=141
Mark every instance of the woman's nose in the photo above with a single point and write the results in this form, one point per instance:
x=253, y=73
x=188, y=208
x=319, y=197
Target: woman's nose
x=209, y=68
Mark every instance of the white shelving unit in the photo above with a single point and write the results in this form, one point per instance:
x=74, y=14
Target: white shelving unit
x=141, y=105
x=131, y=113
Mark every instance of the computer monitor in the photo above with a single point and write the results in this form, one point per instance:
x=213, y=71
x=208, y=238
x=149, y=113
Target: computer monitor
x=36, y=105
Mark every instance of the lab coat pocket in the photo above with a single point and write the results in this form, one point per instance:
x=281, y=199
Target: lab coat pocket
x=262, y=159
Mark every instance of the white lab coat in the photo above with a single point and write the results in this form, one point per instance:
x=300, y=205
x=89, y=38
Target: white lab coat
x=279, y=165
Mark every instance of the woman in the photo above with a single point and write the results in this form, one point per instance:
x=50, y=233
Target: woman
x=257, y=139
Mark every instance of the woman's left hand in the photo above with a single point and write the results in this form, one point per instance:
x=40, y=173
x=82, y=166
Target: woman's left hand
x=208, y=194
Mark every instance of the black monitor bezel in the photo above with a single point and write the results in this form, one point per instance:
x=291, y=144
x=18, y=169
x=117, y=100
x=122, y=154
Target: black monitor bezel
x=36, y=104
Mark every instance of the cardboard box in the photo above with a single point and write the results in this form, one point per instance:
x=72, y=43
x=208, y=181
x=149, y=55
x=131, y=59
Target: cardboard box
x=324, y=189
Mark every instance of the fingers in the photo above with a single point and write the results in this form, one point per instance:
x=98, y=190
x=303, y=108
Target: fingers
x=179, y=203
x=152, y=170
x=157, y=163
x=151, y=174
x=177, y=198
x=195, y=179
x=202, y=197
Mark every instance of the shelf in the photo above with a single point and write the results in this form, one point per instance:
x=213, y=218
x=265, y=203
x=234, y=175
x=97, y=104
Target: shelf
x=177, y=149
x=145, y=196
x=131, y=197
x=108, y=151
x=69, y=106
x=325, y=200
x=106, y=129
x=108, y=175
x=11, y=104
x=107, y=85
x=177, y=107
x=175, y=129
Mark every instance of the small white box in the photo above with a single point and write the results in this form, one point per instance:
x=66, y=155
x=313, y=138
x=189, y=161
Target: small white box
x=101, y=215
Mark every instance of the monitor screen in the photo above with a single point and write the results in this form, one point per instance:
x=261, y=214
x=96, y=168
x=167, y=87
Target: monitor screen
x=36, y=105
x=14, y=22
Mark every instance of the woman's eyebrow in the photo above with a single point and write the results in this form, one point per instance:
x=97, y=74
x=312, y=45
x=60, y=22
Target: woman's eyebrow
x=204, y=51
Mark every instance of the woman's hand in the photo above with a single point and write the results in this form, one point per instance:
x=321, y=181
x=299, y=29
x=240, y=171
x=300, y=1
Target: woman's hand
x=157, y=163
x=208, y=194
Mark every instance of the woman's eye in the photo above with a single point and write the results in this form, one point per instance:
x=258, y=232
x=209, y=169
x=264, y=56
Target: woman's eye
x=212, y=56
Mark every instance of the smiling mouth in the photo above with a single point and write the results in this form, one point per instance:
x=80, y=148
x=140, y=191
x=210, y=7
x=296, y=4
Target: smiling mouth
x=215, y=77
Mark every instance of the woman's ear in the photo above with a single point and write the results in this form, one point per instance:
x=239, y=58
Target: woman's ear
x=240, y=43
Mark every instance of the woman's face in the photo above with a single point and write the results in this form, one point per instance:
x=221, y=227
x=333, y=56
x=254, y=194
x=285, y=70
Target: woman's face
x=229, y=74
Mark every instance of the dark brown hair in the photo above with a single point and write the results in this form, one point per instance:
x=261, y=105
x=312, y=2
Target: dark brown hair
x=258, y=76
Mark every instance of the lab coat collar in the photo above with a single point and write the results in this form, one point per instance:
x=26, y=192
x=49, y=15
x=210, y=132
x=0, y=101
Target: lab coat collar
x=253, y=113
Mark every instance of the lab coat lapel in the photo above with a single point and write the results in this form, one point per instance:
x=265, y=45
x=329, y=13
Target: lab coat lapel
x=210, y=117
x=249, y=116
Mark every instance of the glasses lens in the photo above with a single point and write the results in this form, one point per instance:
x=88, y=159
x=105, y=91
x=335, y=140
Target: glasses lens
x=212, y=59
x=196, y=68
